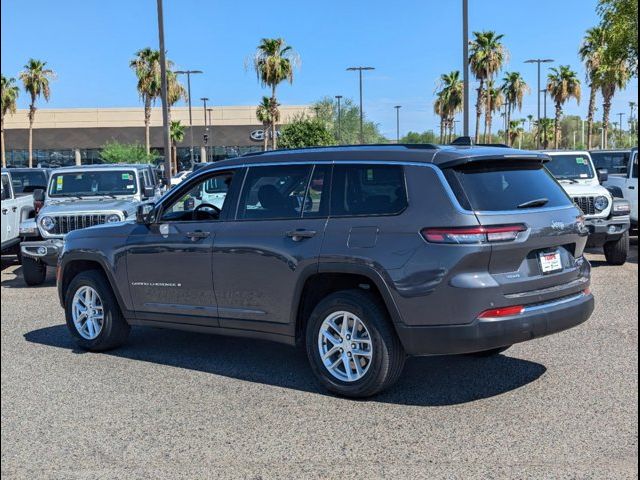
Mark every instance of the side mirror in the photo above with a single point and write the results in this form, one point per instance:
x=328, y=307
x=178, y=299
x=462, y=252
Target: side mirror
x=603, y=175
x=144, y=213
x=149, y=192
x=38, y=195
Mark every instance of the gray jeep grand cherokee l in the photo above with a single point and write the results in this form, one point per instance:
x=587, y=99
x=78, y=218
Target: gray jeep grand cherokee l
x=364, y=255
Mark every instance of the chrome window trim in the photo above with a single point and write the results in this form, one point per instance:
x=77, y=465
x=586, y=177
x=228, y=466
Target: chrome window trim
x=437, y=170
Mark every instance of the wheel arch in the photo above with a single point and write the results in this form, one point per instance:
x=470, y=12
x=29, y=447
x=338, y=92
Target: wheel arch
x=333, y=277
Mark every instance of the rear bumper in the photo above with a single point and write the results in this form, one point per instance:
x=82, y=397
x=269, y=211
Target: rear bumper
x=486, y=334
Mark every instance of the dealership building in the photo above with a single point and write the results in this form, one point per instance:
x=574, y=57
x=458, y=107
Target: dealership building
x=76, y=135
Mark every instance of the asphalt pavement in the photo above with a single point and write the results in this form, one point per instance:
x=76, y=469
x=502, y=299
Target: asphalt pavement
x=184, y=405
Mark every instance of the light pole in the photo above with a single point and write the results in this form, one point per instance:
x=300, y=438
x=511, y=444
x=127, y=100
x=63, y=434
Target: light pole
x=360, y=70
x=539, y=61
x=166, y=135
x=205, y=137
x=620, y=127
x=465, y=65
x=398, y=107
x=188, y=73
x=339, y=98
x=212, y=148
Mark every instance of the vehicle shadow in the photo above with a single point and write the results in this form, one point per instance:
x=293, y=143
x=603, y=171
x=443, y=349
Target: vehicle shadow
x=426, y=381
x=18, y=282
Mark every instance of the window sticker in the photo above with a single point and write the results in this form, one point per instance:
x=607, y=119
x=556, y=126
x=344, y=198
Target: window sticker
x=581, y=161
x=59, y=183
x=584, y=175
x=130, y=187
x=127, y=176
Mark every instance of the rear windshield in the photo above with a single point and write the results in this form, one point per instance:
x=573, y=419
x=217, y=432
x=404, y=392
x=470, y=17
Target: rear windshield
x=503, y=186
x=570, y=167
x=614, y=162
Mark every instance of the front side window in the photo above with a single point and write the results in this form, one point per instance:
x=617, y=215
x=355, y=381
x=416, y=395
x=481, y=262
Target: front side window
x=368, y=190
x=93, y=183
x=198, y=202
x=274, y=192
x=614, y=162
x=26, y=181
x=570, y=167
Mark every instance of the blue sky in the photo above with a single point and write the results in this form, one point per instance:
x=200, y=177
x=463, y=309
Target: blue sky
x=410, y=42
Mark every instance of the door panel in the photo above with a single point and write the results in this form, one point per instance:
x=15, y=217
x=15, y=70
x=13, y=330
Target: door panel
x=169, y=269
x=260, y=258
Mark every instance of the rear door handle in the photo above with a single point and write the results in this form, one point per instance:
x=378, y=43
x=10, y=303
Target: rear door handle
x=14, y=209
x=197, y=235
x=4, y=211
x=298, y=235
x=632, y=188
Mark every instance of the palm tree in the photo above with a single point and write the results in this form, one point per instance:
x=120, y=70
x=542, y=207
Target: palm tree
x=449, y=101
x=146, y=65
x=487, y=54
x=514, y=89
x=274, y=63
x=516, y=131
x=35, y=78
x=590, y=53
x=563, y=84
x=614, y=75
x=175, y=90
x=530, y=120
x=544, y=131
x=176, y=132
x=263, y=114
x=495, y=100
x=10, y=93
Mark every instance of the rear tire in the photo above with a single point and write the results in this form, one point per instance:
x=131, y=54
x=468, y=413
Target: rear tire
x=113, y=328
x=489, y=353
x=383, y=358
x=616, y=253
x=34, y=271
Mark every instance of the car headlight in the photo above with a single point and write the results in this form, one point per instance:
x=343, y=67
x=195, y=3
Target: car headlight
x=48, y=223
x=601, y=203
x=113, y=218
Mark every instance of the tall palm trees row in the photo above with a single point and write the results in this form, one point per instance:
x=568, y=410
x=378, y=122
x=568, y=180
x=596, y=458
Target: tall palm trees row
x=35, y=79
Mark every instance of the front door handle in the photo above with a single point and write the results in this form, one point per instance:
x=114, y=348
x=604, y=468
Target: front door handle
x=14, y=209
x=4, y=211
x=298, y=235
x=198, y=235
x=632, y=188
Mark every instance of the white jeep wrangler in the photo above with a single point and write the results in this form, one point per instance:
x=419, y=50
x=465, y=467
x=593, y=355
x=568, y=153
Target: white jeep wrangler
x=606, y=217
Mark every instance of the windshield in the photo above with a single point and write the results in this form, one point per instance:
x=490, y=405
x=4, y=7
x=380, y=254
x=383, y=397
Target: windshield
x=93, y=183
x=25, y=181
x=570, y=167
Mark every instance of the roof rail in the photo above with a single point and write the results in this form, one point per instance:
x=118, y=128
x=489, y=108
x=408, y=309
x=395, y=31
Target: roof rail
x=468, y=142
x=417, y=146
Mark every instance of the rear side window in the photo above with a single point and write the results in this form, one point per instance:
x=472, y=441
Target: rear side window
x=499, y=186
x=368, y=190
x=614, y=162
x=276, y=192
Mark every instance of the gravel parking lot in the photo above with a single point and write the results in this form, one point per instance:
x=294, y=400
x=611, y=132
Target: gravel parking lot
x=173, y=404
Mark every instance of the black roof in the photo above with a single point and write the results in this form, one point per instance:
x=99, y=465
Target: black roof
x=443, y=156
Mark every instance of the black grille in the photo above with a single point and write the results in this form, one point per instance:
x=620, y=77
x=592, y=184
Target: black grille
x=66, y=223
x=586, y=204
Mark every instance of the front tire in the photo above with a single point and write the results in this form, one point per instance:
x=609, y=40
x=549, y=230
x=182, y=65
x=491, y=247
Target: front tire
x=92, y=313
x=352, y=346
x=34, y=271
x=616, y=253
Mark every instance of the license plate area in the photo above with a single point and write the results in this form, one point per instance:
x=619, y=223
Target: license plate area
x=550, y=262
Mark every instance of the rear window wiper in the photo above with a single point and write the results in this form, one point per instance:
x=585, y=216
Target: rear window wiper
x=538, y=202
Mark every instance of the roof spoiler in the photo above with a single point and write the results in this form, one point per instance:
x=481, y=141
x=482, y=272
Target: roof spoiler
x=468, y=142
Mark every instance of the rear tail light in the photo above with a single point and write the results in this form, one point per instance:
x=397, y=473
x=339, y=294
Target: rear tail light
x=470, y=235
x=503, y=312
